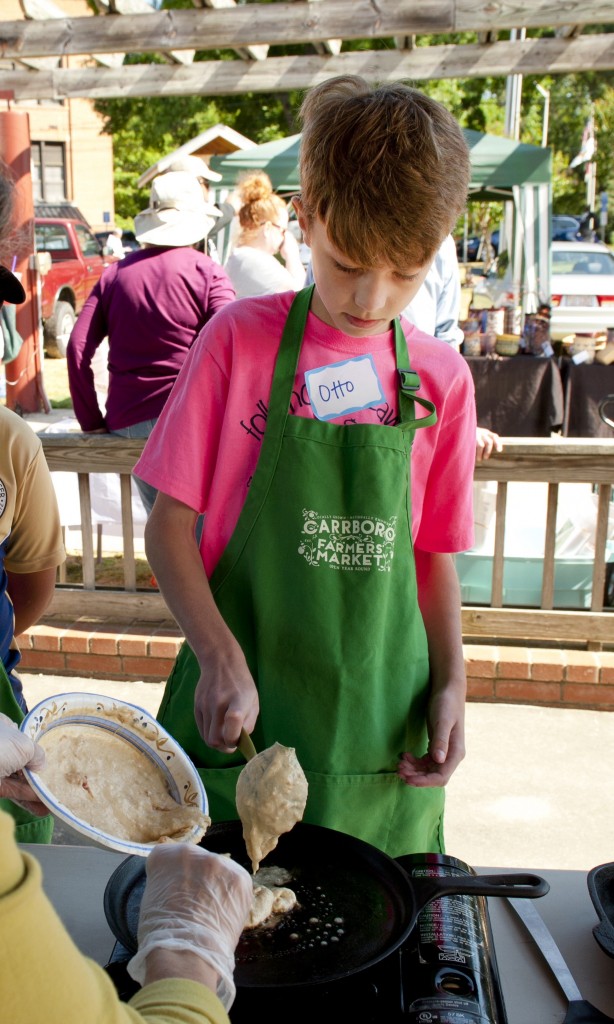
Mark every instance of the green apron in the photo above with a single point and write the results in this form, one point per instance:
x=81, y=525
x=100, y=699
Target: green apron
x=318, y=586
x=29, y=828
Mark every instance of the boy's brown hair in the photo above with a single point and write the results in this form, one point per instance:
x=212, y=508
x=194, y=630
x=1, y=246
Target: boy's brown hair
x=386, y=169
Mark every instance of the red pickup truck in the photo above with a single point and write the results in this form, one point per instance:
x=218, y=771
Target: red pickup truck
x=77, y=261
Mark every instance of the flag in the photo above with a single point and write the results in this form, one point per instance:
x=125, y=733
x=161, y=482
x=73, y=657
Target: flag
x=588, y=147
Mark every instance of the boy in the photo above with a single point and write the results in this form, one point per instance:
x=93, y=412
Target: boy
x=324, y=611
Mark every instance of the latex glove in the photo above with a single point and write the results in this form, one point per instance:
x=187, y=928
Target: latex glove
x=194, y=901
x=18, y=751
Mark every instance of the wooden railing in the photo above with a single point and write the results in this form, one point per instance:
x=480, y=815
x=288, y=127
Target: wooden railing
x=552, y=461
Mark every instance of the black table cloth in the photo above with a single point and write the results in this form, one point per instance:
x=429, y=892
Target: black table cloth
x=586, y=385
x=518, y=396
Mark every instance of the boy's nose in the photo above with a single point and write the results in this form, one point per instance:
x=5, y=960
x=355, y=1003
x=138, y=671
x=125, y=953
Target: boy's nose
x=370, y=296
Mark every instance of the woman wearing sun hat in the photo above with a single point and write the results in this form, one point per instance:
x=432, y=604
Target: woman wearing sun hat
x=151, y=305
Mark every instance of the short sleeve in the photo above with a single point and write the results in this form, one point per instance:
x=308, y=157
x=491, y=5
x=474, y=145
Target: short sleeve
x=35, y=541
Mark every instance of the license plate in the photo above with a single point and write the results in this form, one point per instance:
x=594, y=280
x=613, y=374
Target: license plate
x=579, y=300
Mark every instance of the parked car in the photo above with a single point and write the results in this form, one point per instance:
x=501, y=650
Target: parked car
x=477, y=248
x=565, y=228
x=582, y=288
x=76, y=259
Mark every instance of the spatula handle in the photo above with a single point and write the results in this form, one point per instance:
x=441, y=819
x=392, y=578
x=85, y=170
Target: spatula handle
x=246, y=746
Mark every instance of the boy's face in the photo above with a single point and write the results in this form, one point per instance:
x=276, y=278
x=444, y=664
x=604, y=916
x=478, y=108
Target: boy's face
x=359, y=301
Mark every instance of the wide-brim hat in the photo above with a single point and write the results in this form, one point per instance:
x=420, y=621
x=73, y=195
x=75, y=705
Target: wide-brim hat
x=11, y=288
x=177, y=213
x=195, y=166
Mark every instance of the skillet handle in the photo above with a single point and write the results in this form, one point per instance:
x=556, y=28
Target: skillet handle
x=519, y=885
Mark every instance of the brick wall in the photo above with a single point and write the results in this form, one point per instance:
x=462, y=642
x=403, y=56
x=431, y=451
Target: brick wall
x=553, y=677
x=102, y=649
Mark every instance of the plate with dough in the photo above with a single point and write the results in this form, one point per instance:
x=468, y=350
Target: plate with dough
x=113, y=773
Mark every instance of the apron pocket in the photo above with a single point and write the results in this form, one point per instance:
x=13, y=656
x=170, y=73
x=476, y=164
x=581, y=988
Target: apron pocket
x=379, y=808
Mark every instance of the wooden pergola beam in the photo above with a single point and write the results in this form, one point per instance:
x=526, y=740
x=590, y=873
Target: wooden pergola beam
x=255, y=24
x=281, y=74
x=244, y=52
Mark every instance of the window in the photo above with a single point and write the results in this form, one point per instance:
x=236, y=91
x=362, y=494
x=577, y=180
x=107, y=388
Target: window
x=48, y=171
x=90, y=246
x=52, y=238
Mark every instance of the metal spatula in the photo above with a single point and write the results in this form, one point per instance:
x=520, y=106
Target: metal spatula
x=579, y=1010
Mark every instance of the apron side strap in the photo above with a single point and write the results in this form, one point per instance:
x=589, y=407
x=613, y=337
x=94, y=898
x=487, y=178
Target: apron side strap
x=409, y=382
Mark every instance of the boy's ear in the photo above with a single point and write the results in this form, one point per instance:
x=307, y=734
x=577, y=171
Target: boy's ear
x=301, y=217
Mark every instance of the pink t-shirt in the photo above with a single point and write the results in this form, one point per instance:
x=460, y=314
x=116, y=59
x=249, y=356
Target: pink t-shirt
x=204, y=448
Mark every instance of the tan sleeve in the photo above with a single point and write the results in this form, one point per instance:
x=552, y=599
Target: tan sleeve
x=35, y=542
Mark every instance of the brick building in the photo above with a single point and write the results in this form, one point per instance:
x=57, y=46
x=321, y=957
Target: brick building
x=71, y=158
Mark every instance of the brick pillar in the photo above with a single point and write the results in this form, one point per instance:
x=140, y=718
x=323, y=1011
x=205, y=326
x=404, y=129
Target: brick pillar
x=24, y=390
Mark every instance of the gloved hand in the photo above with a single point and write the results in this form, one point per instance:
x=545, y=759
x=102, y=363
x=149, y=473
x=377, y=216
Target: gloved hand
x=197, y=901
x=18, y=751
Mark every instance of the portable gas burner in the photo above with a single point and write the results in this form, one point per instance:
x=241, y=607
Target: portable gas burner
x=444, y=970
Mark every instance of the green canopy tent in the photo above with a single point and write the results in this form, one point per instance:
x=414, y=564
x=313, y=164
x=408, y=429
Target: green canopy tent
x=502, y=170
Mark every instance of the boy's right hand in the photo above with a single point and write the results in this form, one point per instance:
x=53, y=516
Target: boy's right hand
x=225, y=701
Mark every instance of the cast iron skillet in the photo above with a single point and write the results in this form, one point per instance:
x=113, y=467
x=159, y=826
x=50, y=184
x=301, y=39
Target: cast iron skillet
x=357, y=905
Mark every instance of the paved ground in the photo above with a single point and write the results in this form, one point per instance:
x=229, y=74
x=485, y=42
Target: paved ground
x=534, y=791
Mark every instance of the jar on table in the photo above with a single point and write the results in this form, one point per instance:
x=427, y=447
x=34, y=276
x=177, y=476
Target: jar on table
x=512, y=320
x=536, y=333
x=472, y=344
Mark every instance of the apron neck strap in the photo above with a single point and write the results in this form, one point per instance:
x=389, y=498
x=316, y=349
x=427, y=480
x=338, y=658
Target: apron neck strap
x=409, y=382
x=287, y=361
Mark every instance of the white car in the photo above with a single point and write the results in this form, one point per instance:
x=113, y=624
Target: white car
x=582, y=288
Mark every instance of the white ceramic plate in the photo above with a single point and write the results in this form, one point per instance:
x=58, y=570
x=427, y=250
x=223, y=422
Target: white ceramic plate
x=135, y=726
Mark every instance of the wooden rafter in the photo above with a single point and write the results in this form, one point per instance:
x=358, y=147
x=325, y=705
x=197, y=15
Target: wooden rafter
x=245, y=52
x=280, y=74
x=128, y=7
x=332, y=46
x=31, y=49
x=254, y=24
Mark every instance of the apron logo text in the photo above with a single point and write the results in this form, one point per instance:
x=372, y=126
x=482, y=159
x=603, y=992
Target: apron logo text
x=358, y=543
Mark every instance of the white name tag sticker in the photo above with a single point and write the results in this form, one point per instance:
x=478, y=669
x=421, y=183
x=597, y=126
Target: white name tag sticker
x=342, y=388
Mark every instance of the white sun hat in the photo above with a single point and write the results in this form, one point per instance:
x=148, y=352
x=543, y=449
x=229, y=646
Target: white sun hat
x=177, y=213
x=193, y=165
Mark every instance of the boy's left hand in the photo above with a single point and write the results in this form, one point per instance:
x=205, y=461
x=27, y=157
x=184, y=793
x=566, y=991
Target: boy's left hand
x=486, y=442
x=446, y=725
